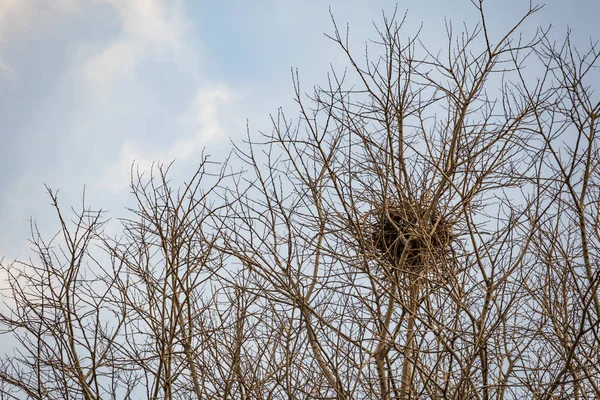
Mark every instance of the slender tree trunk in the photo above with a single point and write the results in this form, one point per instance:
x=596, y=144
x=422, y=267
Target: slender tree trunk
x=409, y=349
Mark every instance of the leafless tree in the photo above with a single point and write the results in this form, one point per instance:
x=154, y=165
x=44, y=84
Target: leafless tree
x=425, y=228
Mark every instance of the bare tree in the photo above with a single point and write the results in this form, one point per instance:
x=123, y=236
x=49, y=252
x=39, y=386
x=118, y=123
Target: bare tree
x=426, y=227
x=59, y=316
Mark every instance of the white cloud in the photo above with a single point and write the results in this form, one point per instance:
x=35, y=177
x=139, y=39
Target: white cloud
x=13, y=14
x=204, y=118
x=14, y=11
x=6, y=70
x=116, y=61
x=151, y=20
x=203, y=124
x=148, y=28
x=20, y=17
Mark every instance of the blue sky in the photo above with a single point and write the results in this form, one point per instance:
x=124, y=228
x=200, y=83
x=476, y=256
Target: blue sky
x=89, y=86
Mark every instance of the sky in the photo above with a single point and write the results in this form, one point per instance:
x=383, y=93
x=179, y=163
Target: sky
x=87, y=87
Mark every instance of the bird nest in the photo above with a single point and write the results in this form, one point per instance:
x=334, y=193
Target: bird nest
x=411, y=236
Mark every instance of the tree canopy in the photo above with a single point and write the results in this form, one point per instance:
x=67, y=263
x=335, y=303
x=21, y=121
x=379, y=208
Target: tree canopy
x=425, y=227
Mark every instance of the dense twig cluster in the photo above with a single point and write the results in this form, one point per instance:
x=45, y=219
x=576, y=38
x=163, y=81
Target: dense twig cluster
x=411, y=235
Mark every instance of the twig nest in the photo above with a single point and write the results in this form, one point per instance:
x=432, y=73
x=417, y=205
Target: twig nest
x=412, y=236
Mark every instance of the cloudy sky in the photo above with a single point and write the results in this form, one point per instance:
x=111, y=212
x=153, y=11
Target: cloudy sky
x=89, y=86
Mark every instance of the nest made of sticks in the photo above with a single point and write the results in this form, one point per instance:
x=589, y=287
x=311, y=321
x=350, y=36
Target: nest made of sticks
x=412, y=236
